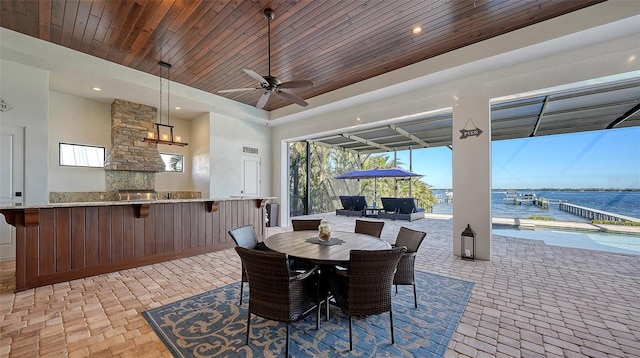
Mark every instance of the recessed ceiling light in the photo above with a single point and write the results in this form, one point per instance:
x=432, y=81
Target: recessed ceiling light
x=416, y=30
x=97, y=89
x=178, y=108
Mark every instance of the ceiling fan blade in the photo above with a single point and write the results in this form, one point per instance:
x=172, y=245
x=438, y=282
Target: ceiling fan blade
x=238, y=90
x=256, y=76
x=297, y=84
x=263, y=99
x=293, y=98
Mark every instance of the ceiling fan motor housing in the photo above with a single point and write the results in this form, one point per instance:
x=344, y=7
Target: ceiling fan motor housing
x=272, y=83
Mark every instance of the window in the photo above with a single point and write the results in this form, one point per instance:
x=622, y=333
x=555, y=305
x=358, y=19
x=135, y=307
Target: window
x=77, y=155
x=173, y=162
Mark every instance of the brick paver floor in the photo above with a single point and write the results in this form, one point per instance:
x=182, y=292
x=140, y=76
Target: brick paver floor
x=530, y=300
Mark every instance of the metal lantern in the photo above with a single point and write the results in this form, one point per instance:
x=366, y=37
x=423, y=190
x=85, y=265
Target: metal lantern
x=468, y=244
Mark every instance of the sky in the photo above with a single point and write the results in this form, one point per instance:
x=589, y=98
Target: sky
x=607, y=159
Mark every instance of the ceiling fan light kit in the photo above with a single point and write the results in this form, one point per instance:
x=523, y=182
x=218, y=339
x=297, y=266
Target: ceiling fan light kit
x=270, y=84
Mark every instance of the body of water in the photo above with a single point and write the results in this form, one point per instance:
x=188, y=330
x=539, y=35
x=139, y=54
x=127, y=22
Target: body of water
x=619, y=202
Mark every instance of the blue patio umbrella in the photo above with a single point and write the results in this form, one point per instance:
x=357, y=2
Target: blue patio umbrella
x=397, y=173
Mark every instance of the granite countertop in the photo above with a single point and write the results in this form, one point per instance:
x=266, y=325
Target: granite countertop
x=137, y=202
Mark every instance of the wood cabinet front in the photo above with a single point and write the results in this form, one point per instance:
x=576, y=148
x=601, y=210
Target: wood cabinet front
x=57, y=244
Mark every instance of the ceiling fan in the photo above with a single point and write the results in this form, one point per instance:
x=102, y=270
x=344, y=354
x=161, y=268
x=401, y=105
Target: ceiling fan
x=270, y=84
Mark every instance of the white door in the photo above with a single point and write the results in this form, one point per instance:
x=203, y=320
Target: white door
x=251, y=176
x=11, y=182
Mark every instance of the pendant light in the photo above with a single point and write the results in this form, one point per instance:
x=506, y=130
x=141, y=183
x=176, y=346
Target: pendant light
x=166, y=136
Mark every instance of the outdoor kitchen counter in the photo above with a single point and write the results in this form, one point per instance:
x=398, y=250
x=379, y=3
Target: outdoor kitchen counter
x=130, y=202
x=66, y=241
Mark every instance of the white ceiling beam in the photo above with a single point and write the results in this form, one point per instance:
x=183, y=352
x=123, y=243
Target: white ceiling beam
x=327, y=145
x=409, y=135
x=367, y=142
x=537, y=125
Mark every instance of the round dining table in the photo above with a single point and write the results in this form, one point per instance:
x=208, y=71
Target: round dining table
x=305, y=245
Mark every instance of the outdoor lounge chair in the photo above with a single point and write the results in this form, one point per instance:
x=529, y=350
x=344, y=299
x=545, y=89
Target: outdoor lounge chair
x=407, y=210
x=389, y=208
x=347, y=205
x=352, y=205
x=359, y=204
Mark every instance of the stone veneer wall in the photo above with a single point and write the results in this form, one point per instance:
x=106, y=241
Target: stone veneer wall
x=81, y=197
x=128, y=180
x=130, y=123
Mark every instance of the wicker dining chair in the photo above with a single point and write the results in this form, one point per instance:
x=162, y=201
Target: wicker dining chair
x=365, y=289
x=373, y=228
x=245, y=236
x=411, y=240
x=305, y=224
x=277, y=293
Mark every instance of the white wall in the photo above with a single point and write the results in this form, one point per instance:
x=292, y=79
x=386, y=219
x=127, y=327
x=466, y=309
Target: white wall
x=77, y=120
x=168, y=181
x=228, y=137
x=26, y=89
x=201, y=155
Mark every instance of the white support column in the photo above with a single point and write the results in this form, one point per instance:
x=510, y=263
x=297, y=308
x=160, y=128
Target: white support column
x=472, y=170
x=410, y=169
x=395, y=165
x=282, y=162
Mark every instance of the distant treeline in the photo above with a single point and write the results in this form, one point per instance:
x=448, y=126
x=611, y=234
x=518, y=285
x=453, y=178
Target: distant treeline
x=571, y=189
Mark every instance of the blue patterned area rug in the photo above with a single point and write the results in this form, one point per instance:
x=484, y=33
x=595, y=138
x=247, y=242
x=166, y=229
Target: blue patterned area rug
x=212, y=324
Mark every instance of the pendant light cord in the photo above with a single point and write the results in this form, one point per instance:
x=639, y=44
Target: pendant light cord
x=269, y=42
x=168, y=96
x=160, y=107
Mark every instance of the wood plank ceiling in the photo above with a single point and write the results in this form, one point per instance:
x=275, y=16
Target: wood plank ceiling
x=334, y=43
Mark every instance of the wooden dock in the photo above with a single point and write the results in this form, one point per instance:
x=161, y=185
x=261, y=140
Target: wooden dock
x=594, y=214
x=514, y=198
x=544, y=202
